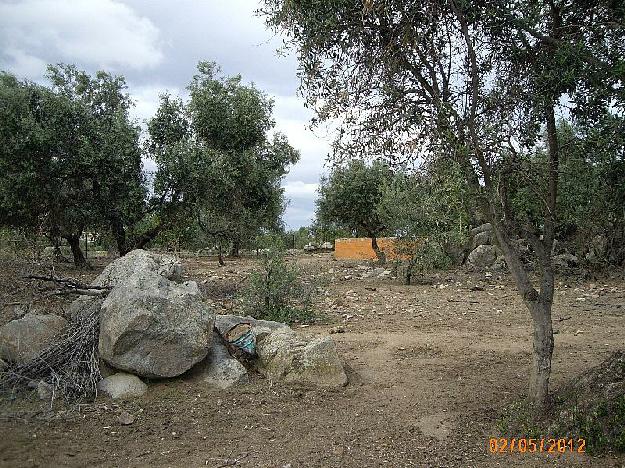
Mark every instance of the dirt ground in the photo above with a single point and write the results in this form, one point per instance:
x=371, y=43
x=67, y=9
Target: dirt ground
x=430, y=367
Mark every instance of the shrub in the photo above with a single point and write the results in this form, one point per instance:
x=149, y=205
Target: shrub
x=276, y=292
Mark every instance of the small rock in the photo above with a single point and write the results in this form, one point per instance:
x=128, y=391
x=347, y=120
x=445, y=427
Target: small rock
x=220, y=370
x=125, y=418
x=338, y=329
x=44, y=390
x=284, y=355
x=122, y=385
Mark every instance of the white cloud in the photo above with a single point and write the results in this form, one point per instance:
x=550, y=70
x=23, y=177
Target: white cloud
x=146, y=99
x=100, y=33
x=299, y=189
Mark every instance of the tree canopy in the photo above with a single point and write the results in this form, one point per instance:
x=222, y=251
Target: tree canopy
x=218, y=167
x=70, y=155
x=350, y=198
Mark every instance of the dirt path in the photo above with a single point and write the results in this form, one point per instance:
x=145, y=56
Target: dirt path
x=430, y=369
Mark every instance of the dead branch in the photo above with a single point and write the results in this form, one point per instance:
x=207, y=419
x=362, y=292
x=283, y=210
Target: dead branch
x=67, y=282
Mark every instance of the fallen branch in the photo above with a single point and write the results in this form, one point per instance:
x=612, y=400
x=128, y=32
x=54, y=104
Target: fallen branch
x=68, y=282
x=71, y=286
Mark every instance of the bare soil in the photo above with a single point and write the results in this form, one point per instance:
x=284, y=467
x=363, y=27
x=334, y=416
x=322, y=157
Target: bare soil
x=431, y=367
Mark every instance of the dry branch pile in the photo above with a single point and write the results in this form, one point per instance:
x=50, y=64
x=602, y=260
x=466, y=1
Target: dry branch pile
x=70, y=365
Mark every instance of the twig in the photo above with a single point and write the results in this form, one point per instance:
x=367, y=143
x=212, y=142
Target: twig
x=464, y=302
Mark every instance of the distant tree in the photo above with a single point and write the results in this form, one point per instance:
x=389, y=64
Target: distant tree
x=115, y=169
x=429, y=211
x=591, y=195
x=217, y=167
x=350, y=197
x=479, y=83
x=70, y=156
x=44, y=149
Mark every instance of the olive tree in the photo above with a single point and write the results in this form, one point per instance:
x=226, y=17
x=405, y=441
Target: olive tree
x=218, y=167
x=69, y=155
x=350, y=197
x=479, y=83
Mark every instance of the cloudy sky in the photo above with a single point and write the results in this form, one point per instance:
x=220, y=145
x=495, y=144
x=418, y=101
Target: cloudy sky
x=156, y=46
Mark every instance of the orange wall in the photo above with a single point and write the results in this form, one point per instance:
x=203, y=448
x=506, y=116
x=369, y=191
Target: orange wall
x=359, y=248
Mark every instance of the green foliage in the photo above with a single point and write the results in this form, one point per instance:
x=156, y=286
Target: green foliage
x=349, y=198
x=592, y=407
x=69, y=154
x=218, y=172
x=591, y=195
x=276, y=292
x=429, y=212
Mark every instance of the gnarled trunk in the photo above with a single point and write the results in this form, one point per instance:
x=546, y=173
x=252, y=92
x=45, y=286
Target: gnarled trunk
x=378, y=253
x=539, y=305
x=119, y=233
x=74, y=243
x=236, y=247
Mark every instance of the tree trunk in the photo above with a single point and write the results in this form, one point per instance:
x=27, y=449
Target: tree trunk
x=236, y=247
x=74, y=243
x=541, y=355
x=119, y=233
x=378, y=253
x=220, y=257
x=539, y=305
x=147, y=237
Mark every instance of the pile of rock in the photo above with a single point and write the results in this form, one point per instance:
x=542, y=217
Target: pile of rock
x=154, y=325
x=483, y=253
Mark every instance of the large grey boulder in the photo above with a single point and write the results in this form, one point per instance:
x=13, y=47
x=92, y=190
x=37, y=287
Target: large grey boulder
x=220, y=370
x=483, y=256
x=122, y=385
x=564, y=261
x=139, y=264
x=23, y=340
x=285, y=356
x=153, y=327
x=598, y=249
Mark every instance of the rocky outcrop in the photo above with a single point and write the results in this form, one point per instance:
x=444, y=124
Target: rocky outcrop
x=153, y=327
x=565, y=261
x=122, y=386
x=23, y=340
x=483, y=254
